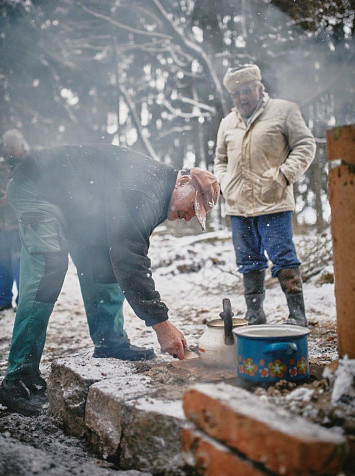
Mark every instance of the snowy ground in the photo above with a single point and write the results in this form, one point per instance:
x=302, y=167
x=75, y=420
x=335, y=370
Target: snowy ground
x=193, y=274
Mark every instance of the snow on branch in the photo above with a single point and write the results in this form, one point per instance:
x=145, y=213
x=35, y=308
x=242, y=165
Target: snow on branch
x=137, y=122
x=197, y=104
x=173, y=130
x=177, y=60
x=181, y=38
x=179, y=113
x=160, y=46
x=121, y=25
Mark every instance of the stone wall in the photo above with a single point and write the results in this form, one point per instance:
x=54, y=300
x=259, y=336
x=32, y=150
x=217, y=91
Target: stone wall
x=111, y=405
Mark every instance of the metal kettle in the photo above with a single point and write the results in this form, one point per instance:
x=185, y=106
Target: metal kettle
x=216, y=346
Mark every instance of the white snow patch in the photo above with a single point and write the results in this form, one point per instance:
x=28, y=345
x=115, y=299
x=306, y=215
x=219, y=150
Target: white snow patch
x=304, y=394
x=171, y=408
x=344, y=385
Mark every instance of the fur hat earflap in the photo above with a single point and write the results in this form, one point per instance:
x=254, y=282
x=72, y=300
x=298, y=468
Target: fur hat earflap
x=243, y=74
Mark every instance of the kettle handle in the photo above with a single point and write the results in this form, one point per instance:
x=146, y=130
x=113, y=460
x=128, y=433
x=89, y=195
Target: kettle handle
x=227, y=316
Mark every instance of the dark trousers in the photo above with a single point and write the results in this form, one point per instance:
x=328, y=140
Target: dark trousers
x=44, y=263
x=10, y=248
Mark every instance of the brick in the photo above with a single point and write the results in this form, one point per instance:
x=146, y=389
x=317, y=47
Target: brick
x=264, y=433
x=210, y=458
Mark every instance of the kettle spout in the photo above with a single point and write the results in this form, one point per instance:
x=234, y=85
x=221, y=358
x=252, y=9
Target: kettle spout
x=227, y=316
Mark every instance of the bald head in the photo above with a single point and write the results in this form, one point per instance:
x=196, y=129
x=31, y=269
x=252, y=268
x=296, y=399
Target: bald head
x=14, y=145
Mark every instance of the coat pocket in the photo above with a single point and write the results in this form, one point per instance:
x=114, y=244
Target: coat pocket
x=273, y=186
x=40, y=234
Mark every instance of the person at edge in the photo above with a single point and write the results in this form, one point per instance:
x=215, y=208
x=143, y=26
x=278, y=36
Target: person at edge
x=13, y=148
x=263, y=147
x=100, y=203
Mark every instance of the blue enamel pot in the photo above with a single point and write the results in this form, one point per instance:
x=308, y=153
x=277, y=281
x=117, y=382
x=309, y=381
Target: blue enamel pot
x=270, y=353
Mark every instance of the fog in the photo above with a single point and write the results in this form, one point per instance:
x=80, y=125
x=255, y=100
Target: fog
x=148, y=74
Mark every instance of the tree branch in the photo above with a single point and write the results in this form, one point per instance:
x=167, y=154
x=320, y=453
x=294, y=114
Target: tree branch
x=197, y=103
x=137, y=122
x=179, y=36
x=179, y=113
x=173, y=130
x=121, y=25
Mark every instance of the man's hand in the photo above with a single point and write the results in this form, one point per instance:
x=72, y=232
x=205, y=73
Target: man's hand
x=171, y=340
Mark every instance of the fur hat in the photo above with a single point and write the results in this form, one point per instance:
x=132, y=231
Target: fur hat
x=243, y=74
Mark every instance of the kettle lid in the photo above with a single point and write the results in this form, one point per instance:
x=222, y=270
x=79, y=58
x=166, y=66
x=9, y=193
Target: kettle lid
x=219, y=323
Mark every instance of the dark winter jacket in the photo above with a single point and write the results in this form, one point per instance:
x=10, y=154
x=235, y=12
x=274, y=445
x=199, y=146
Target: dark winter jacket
x=112, y=199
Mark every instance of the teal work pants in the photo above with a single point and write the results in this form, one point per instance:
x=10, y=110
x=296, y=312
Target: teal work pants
x=44, y=263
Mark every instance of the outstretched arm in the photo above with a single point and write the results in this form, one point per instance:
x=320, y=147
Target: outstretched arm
x=171, y=340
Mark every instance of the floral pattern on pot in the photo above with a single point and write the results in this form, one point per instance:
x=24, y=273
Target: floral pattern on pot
x=249, y=367
x=293, y=371
x=274, y=369
x=302, y=366
x=277, y=368
x=264, y=372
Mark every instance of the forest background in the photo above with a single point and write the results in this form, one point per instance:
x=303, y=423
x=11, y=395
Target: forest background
x=147, y=74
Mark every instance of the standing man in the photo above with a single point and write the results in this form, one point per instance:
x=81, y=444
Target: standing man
x=263, y=147
x=14, y=148
x=101, y=203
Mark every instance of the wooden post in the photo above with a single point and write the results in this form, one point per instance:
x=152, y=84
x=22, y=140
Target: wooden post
x=341, y=148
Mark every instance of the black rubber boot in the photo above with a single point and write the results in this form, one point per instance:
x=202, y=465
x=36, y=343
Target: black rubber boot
x=124, y=352
x=5, y=306
x=254, y=294
x=35, y=383
x=291, y=284
x=27, y=398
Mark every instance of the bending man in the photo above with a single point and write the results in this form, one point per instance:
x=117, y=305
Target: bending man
x=100, y=203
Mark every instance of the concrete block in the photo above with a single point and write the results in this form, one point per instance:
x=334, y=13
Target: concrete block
x=69, y=383
x=151, y=439
x=123, y=414
x=103, y=411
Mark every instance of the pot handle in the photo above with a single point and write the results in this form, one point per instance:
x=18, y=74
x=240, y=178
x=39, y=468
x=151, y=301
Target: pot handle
x=289, y=347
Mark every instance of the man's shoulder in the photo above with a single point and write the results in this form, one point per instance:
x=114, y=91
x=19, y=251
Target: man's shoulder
x=231, y=118
x=281, y=105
